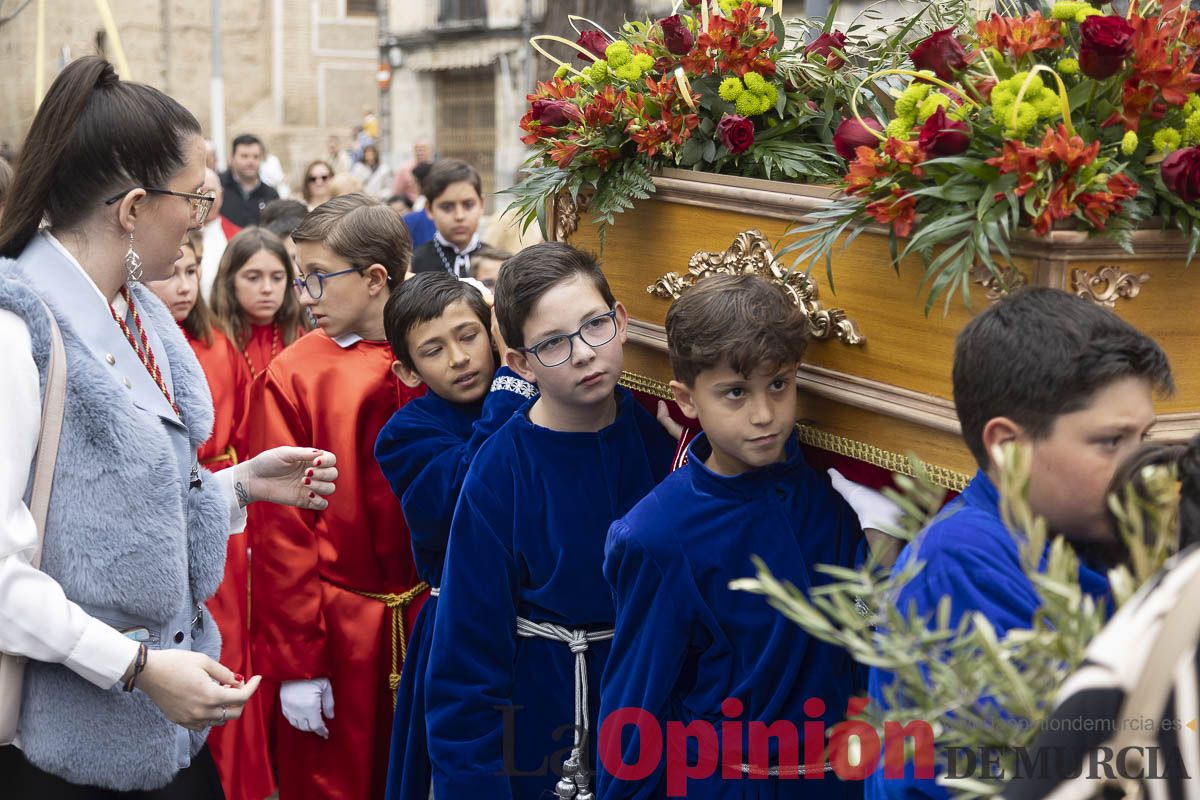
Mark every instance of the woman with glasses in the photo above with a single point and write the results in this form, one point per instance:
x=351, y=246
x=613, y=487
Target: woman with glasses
x=317, y=186
x=121, y=683
x=253, y=299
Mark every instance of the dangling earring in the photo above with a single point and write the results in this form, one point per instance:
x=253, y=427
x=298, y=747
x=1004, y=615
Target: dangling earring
x=133, y=262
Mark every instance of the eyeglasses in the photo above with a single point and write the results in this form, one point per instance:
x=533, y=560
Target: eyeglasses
x=557, y=350
x=314, y=282
x=201, y=203
x=318, y=178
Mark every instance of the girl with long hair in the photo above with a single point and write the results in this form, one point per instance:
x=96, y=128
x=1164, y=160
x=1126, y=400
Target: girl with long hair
x=254, y=300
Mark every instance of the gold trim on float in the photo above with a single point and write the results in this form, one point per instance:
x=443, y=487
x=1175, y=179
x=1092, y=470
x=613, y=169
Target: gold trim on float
x=860, y=451
x=1107, y=285
x=887, y=459
x=751, y=254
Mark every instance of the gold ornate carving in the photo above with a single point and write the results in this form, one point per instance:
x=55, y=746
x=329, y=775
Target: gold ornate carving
x=1108, y=285
x=751, y=253
x=812, y=436
x=997, y=286
x=567, y=213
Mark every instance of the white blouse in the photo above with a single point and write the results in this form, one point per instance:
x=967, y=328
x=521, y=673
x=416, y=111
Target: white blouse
x=36, y=618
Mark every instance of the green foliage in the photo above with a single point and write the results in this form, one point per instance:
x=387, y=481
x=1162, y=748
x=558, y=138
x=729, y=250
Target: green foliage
x=975, y=688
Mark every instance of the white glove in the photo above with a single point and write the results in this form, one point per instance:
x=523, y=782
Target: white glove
x=303, y=703
x=873, y=509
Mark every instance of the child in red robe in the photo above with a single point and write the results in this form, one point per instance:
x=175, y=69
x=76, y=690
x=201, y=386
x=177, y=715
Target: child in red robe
x=334, y=593
x=240, y=747
x=253, y=298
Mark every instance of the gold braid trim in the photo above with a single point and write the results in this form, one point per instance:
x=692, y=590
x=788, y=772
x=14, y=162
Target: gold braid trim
x=396, y=603
x=229, y=455
x=810, y=435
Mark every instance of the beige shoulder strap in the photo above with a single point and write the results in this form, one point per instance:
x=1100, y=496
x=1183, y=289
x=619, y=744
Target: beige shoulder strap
x=53, y=403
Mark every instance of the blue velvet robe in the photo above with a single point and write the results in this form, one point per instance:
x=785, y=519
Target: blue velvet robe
x=685, y=641
x=528, y=540
x=971, y=557
x=424, y=451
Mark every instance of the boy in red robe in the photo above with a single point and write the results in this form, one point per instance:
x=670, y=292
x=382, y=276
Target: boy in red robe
x=334, y=593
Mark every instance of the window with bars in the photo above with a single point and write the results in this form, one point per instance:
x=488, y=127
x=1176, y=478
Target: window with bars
x=466, y=123
x=457, y=12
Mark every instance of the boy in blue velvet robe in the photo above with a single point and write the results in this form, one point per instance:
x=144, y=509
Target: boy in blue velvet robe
x=525, y=618
x=687, y=647
x=438, y=327
x=1075, y=384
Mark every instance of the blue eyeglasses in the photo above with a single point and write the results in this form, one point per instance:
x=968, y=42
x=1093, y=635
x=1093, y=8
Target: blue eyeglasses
x=314, y=282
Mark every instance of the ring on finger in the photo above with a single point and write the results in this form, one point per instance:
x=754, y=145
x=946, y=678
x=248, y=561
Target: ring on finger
x=224, y=716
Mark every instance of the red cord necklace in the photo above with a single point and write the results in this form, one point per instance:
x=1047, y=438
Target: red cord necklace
x=274, y=349
x=144, y=353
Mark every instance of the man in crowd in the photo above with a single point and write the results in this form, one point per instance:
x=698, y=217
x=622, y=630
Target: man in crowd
x=245, y=193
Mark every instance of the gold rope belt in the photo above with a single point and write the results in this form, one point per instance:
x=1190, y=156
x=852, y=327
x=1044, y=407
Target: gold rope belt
x=396, y=603
x=229, y=455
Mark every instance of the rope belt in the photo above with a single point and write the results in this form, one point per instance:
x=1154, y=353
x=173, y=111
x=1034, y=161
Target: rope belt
x=576, y=776
x=229, y=456
x=396, y=603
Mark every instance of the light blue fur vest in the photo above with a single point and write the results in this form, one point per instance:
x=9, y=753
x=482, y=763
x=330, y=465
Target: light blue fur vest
x=127, y=536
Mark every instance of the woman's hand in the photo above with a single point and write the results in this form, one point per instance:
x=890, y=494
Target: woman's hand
x=289, y=476
x=192, y=690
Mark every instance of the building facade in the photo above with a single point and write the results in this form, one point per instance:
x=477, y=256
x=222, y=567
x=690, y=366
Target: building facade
x=295, y=71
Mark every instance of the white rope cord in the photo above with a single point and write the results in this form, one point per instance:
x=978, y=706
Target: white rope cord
x=576, y=775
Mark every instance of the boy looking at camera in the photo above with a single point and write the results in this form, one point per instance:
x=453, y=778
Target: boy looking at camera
x=687, y=646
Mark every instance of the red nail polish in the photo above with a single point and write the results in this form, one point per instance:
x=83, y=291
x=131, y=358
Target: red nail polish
x=239, y=679
x=312, y=495
x=307, y=481
x=317, y=463
x=308, y=474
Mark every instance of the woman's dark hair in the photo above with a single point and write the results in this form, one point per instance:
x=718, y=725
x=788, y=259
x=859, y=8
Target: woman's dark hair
x=1129, y=474
x=93, y=136
x=1189, y=494
x=230, y=316
x=305, y=189
x=198, y=323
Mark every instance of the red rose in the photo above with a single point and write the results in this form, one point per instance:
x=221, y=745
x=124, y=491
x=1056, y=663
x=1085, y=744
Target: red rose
x=676, y=35
x=594, y=42
x=852, y=134
x=941, y=136
x=941, y=53
x=825, y=44
x=1181, y=173
x=1105, y=43
x=736, y=133
x=552, y=113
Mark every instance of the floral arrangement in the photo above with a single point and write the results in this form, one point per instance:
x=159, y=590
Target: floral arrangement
x=1069, y=117
x=720, y=86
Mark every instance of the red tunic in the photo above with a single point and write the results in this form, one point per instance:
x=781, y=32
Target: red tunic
x=240, y=747
x=266, y=342
x=310, y=568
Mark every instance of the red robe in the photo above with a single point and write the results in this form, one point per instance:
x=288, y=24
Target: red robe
x=266, y=342
x=239, y=747
x=309, y=567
